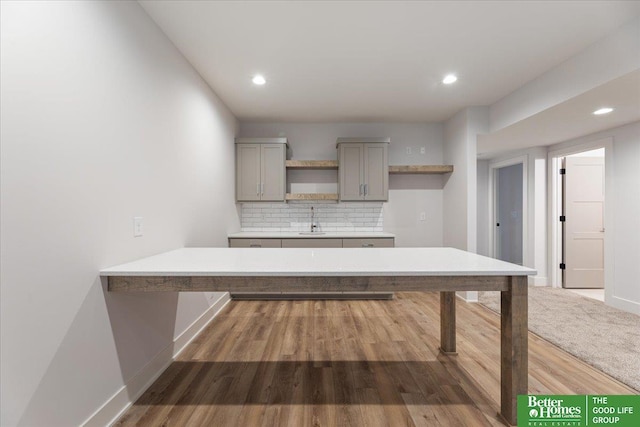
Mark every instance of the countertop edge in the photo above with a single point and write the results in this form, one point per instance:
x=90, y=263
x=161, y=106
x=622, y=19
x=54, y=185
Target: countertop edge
x=297, y=235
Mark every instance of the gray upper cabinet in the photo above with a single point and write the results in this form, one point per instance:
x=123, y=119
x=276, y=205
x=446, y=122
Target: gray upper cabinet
x=363, y=169
x=260, y=169
x=350, y=171
x=376, y=172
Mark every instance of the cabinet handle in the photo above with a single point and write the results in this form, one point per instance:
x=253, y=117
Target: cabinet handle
x=262, y=188
x=360, y=190
x=258, y=189
x=367, y=245
x=366, y=189
x=255, y=245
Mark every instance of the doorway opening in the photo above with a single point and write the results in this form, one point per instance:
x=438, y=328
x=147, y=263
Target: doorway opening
x=579, y=218
x=508, y=183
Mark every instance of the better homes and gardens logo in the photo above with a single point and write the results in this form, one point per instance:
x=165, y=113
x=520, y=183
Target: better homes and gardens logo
x=578, y=410
x=555, y=409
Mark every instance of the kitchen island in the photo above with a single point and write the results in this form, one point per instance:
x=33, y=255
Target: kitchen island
x=446, y=270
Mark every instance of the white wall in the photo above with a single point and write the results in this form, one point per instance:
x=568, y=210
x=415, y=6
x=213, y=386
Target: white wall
x=622, y=268
x=102, y=120
x=456, y=150
x=408, y=195
x=460, y=190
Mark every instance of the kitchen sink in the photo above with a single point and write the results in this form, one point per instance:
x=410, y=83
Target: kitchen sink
x=311, y=233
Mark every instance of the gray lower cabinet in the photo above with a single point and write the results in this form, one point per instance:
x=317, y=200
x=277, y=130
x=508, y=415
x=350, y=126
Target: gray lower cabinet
x=261, y=170
x=311, y=243
x=368, y=243
x=363, y=171
x=374, y=242
x=255, y=243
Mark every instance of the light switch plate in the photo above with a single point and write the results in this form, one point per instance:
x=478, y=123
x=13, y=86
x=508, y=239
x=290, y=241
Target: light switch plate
x=137, y=226
x=423, y=216
x=408, y=150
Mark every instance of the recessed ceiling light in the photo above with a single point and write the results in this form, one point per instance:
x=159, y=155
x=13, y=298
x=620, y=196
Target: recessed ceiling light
x=602, y=111
x=258, y=80
x=449, y=78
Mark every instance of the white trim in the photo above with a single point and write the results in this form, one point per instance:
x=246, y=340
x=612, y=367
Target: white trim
x=493, y=166
x=555, y=206
x=555, y=249
x=538, y=281
x=625, y=304
x=122, y=400
x=468, y=296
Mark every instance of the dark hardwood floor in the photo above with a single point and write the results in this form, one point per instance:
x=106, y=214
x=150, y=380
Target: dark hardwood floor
x=349, y=363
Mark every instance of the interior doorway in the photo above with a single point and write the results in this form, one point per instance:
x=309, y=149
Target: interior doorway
x=508, y=184
x=509, y=213
x=582, y=219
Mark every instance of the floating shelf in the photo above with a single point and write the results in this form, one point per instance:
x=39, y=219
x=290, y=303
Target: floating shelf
x=312, y=164
x=420, y=169
x=312, y=196
x=397, y=169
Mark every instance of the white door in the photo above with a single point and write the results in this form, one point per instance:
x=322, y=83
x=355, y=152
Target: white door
x=584, y=222
x=508, y=210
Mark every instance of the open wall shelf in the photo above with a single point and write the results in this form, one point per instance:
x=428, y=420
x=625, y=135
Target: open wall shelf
x=393, y=169
x=333, y=165
x=312, y=164
x=420, y=169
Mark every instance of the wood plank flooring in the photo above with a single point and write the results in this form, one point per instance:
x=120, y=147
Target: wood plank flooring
x=349, y=363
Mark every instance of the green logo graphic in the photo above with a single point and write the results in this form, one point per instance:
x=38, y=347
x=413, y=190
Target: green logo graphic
x=578, y=410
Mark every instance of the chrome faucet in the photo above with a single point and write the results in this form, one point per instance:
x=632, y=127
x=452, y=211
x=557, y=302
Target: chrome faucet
x=313, y=224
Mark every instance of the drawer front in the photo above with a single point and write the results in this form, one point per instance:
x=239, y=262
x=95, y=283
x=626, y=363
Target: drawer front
x=311, y=243
x=368, y=243
x=255, y=243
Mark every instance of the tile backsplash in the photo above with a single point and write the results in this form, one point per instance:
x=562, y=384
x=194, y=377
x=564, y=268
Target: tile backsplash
x=296, y=216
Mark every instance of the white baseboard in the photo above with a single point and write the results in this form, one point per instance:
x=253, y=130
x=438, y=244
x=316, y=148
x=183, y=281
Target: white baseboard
x=625, y=304
x=113, y=408
x=538, y=281
x=468, y=296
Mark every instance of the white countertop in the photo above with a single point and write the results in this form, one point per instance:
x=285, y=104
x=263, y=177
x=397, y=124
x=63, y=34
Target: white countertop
x=316, y=235
x=318, y=262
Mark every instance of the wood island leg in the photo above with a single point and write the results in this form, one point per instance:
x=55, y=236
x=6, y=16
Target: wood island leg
x=513, y=347
x=448, y=322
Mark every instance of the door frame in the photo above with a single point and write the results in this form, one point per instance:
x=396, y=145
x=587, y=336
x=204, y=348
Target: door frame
x=555, y=210
x=493, y=199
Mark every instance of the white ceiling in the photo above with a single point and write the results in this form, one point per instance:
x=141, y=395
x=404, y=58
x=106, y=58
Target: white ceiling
x=378, y=61
x=570, y=119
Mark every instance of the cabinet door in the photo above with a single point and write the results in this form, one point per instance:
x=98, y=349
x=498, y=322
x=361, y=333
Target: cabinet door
x=379, y=242
x=311, y=243
x=255, y=243
x=247, y=172
x=350, y=165
x=273, y=172
x=376, y=172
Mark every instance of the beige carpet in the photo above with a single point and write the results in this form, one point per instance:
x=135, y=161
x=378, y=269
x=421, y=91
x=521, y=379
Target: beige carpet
x=602, y=336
